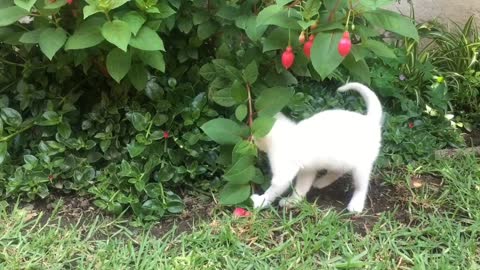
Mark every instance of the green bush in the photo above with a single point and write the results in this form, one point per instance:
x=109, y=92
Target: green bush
x=131, y=101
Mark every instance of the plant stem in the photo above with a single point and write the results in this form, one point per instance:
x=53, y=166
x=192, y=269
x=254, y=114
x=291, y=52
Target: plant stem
x=250, y=107
x=6, y=138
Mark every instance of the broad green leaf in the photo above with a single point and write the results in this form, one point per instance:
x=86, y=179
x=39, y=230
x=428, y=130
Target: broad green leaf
x=135, y=21
x=3, y=151
x=30, y=161
x=64, y=129
x=374, y=4
x=153, y=59
x=54, y=4
x=267, y=13
x=254, y=31
x=359, y=69
x=135, y=149
x=147, y=40
x=241, y=172
x=208, y=72
x=223, y=131
x=138, y=76
x=325, y=56
x=223, y=97
x=10, y=15
x=118, y=64
x=379, y=48
x=258, y=178
x=278, y=40
x=233, y=194
x=241, y=112
x=25, y=4
x=51, y=40
x=118, y=33
x=49, y=118
x=32, y=37
x=250, y=73
x=89, y=11
x=87, y=35
x=206, y=29
x=164, y=11
x=239, y=91
x=244, y=149
x=138, y=121
x=11, y=117
x=392, y=21
x=310, y=9
x=262, y=126
x=272, y=100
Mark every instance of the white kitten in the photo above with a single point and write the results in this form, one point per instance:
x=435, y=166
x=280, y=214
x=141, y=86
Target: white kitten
x=336, y=140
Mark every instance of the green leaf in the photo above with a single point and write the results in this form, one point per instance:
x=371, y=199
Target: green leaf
x=89, y=11
x=234, y=194
x=325, y=56
x=10, y=15
x=272, y=100
x=164, y=10
x=392, y=21
x=153, y=59
x=242, y=172
x=239, y=91
x=262, y=126
x=243, y=149
x=118, y=33
x=32, y=37
x=54, y=4
x=135, y=149
x=374, y=4
x=241, y=112
x=51, y=40
x=205, y=30
x=277, y=15
x=278, y=40
x=147, y=40
x=139, y=122
x=138, y=76
x=359, y=69
x=379, y=48
x=250, y=73
x=49, y=118
x=25, y=4
x=30, y=161
x=118, y=64
x=3, y=151
x=310, y=9
x=135, y=20
x=208, y=72
x=64, y=129
x=88, y=34
x=223, y=97
x=254, y=31
x=11, y=117
x=223, y=131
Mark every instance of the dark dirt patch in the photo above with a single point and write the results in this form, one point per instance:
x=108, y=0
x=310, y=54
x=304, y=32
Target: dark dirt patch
x=472, y=138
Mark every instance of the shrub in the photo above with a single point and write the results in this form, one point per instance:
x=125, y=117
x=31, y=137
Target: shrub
x=110, y=97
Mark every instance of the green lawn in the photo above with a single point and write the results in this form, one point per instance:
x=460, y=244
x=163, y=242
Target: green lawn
x=435, y=226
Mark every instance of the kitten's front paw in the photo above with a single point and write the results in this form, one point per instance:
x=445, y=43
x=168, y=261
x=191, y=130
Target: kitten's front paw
x=288, y=202
x=259, y=201
x=355, y=207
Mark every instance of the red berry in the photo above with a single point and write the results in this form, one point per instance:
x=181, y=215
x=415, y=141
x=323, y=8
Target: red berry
x=69, y=2
x=314, y=25
x=345, y=44
x=411, y=125
x=240, y=212
x=301, y=38
x=288, y=58
x=166, y=135
x=308, y=46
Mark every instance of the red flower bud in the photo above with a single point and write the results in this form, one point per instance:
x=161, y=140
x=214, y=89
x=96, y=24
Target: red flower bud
x=308, y=46
x=288, y=58
x=69, y=2
x=411, y=125
x=345, y=44
x=301, y=38
x=166, y=134
x=240, y=212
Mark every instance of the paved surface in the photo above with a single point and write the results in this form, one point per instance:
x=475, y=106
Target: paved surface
x=444, y=10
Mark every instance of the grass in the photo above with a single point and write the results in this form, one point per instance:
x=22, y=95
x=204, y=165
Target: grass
x=437, y=226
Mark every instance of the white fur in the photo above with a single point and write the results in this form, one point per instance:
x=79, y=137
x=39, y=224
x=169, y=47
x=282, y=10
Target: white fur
x=339, y=141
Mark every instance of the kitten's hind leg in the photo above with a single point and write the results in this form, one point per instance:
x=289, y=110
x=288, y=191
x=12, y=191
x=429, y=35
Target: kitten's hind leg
x=280, y=182
x=327, y=179
x=361, y=179
x=304, y=183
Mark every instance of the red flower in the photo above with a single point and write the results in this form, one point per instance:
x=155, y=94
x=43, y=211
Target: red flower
x=69, y=2
x=288, y=58
x=240, y=212
x=345, y=44
x=308, y=46
x=411, y=125
x=166, y=134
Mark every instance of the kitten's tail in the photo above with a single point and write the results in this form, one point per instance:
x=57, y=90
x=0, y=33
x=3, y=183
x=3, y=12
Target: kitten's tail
x=374, y=108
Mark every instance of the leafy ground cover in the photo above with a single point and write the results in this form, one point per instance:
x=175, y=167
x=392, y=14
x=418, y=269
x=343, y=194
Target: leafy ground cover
x=425, y=217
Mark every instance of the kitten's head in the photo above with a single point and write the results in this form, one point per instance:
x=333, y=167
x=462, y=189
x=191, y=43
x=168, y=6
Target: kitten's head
x=281, y=121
